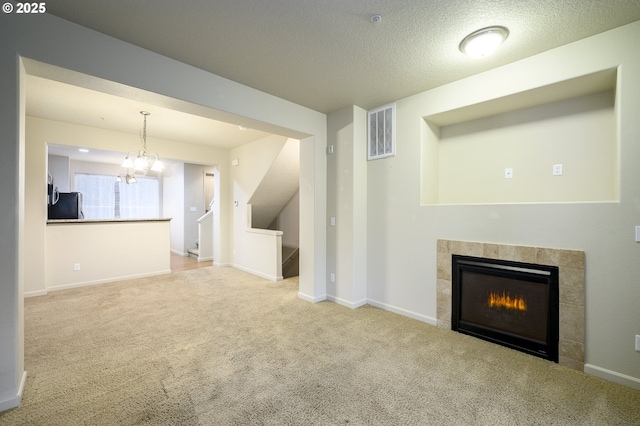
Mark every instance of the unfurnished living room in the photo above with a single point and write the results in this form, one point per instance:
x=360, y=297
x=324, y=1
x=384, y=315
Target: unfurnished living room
x=286, y=212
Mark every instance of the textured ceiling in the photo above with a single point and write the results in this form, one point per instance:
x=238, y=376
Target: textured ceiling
x=328, y=54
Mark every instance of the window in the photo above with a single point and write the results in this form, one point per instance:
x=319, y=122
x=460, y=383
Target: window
x=104, y=198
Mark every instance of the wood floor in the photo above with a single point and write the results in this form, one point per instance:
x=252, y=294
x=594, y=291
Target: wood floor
x=182, y=263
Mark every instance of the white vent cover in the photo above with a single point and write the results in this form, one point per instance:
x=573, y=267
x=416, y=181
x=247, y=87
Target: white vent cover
x=382, y=132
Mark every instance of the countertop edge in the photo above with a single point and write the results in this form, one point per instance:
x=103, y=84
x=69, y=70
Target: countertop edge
x=97, y=221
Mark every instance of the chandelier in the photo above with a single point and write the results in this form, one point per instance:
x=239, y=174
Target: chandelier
x=141, y=161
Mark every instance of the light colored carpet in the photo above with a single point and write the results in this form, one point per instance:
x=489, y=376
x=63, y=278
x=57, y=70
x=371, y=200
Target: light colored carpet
x=217, y=346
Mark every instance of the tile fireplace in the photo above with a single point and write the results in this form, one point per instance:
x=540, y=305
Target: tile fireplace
x=570, y=285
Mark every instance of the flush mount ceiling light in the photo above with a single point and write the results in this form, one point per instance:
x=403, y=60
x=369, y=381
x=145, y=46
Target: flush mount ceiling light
x=143, y=160
x=484, y=42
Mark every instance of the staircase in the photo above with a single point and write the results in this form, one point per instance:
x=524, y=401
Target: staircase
x=195, y=252
x=290, y=261
x=277, y=187
x=265, y=255
x=204, y=245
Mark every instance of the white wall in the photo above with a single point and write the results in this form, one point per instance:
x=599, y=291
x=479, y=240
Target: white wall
x=288, y=221
x=173, y=189
x=58, y=167
x=193, y=197
x=12, y=231
x=80, y=50
x=347, y=189
x=254, y=159
x=402, y=233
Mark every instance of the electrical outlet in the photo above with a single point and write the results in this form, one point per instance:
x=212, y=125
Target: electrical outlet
x=76, y=267
x=638, y=342
x=557, y=169
x=332, y=277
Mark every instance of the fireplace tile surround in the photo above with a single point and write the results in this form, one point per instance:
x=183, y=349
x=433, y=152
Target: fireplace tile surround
x=571, y=287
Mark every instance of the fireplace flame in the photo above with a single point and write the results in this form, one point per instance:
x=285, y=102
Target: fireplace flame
x=505, y=300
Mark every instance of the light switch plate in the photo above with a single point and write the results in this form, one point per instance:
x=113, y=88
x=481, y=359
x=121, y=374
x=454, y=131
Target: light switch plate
x=508, y=173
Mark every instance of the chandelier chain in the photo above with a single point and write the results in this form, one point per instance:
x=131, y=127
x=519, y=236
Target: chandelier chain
x=144, y=133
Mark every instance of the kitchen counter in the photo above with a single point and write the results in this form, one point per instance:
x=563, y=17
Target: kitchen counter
x=94, y=221
x=87, y=252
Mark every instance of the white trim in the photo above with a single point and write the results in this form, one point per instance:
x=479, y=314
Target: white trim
x=260, y=274
x=35, y=293
x=205, y=259
x=263, y=231
x=222, y=264
x=179, y=253
x=14, y=401
x=108, y=280
x=402, y=312
x=612, y=376
x=311, y=298
x=347, y=303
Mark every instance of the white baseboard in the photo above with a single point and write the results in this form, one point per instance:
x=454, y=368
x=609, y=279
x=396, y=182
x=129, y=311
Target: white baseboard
x=35, y=293
x=403, y=312
x=347, y=303
x=14, y=401
x=179, y=253
x=205, y=259
x=311, y=298
x=108, y=280
x=260, y=274
x=612, y=376
x=221, y=264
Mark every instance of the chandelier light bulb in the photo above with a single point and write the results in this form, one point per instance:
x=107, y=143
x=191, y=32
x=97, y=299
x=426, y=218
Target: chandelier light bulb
x=140, y=163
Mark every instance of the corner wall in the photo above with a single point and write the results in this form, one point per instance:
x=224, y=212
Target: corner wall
x=347, y=189
x=403, y=234
x=55, y=42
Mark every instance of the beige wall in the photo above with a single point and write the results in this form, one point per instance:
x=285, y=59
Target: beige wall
x=578, y=133
x=403, y=233
x=39, y=133
x=105, y=252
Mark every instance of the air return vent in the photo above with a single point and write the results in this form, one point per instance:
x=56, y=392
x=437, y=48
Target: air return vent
x=382, y=132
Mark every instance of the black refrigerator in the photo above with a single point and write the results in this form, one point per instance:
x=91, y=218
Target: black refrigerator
x=68, y=206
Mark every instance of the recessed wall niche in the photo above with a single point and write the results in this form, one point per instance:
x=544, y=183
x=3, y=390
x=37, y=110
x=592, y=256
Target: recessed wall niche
x=466, y=151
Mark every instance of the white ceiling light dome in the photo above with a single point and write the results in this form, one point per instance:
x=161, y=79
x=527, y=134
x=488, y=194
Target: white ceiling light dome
x=484, y=42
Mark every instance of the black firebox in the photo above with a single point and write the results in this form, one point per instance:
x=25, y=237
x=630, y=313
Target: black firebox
x=509, y=303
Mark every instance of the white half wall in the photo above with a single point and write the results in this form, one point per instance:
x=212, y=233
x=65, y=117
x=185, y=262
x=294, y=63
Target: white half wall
x=105, y=252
